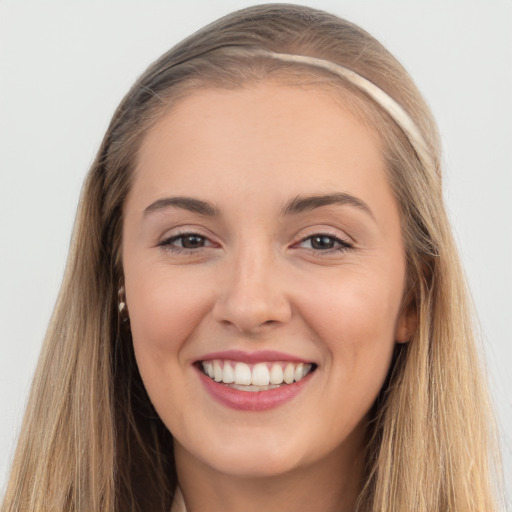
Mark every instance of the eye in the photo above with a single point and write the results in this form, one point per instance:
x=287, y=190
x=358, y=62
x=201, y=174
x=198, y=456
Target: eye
x=185, y=242
x=325, y=243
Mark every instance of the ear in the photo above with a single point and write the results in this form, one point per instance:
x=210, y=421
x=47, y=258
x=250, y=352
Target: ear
x=122, y=306
x=408, y=320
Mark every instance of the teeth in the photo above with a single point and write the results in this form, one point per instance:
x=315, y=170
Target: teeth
x=217, y=371
x=289, y=373
x=253, y=388
x=276, y=374
x=257, y=377
x=298, y=372
x=260, y=375
x=229, y=374
x=242, y=374
x=208, y=369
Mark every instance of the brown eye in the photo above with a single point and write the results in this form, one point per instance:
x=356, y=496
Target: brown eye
x=322, y=242
x=192, y=241
x=185, y=241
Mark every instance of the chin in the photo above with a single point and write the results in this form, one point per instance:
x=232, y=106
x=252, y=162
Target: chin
x=253, y=462
x=246, y=453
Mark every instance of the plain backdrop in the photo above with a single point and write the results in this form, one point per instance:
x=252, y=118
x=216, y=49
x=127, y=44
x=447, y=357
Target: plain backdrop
x=65, y=65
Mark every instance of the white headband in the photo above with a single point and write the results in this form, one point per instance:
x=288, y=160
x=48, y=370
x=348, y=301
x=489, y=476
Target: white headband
x=392, y=107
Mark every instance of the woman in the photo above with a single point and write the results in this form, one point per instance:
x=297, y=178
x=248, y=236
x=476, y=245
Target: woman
x=263, y=305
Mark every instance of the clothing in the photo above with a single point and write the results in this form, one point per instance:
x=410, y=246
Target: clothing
x=178, y=504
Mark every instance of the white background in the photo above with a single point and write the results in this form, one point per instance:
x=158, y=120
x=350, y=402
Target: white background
x=65, y=65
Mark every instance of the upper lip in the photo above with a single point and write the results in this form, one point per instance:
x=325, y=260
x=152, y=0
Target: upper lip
x=260, y=356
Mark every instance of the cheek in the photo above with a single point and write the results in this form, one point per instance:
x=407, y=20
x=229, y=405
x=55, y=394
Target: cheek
x=358, y=308
x=163, y=315
x=355, y=320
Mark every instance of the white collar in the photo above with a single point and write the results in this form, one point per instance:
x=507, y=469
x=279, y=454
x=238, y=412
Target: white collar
x=178, y=503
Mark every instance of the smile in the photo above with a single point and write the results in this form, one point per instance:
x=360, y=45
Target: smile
x=254, y=382
x=262, y=376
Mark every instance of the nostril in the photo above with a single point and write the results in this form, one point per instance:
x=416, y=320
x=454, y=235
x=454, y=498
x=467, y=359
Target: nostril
x=248, y=304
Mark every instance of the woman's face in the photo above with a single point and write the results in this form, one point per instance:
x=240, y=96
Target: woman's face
x=262, y=244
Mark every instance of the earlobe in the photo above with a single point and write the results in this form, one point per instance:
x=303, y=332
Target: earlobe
x=121, y=304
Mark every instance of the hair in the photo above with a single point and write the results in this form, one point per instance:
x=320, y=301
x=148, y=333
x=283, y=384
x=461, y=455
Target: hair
x=91, y=440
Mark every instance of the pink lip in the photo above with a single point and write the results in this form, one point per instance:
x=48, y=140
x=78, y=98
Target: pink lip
x=252, y=357
x=252, y=400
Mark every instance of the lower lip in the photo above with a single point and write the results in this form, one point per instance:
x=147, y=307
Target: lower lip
x=253, y=400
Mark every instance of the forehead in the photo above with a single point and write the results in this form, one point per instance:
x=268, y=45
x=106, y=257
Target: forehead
x=268, y=133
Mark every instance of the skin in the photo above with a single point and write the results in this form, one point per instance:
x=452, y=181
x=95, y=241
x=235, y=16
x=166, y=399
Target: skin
x=255, y=281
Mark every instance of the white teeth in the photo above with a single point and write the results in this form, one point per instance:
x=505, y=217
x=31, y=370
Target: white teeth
x=229, y=374
x=276, y=374
x=242, y=374
x=289, y=373
x=298, y=372
x=208, y=369
x=260, y=376
x=253, y=388
x=217, y=371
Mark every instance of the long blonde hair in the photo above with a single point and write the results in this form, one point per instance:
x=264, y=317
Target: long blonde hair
x=91, y=439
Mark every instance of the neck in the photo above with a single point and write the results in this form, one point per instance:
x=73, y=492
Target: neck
x=331, y=484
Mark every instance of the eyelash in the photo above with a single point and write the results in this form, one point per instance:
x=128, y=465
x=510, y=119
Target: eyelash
x=167, y=243
x=343, y=245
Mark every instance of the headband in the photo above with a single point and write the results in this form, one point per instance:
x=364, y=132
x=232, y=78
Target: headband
x=392, y=107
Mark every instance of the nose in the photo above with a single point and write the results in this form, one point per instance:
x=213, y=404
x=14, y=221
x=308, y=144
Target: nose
x=251, y=297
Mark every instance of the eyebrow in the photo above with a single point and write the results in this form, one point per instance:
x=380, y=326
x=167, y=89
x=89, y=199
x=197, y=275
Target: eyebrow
x=185, y=203
x=299, y=204
x=307, y=203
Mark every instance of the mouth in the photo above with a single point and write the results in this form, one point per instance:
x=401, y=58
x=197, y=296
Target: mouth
x=261, y=376
x=254, y=381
